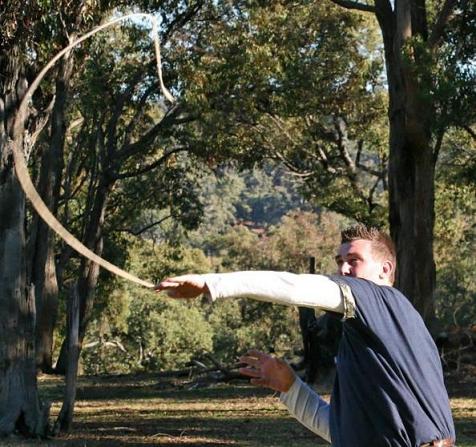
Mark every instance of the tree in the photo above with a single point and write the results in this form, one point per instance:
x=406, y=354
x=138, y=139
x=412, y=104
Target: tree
x=128, y=133
x=263, y=61
x=455, y=231
x=20, y=407
x=252, y=81
x=428, y=60
x=30, y=35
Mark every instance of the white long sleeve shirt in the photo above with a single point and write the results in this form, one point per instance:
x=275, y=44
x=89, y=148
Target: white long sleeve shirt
x=306, y=290
x=308, y=408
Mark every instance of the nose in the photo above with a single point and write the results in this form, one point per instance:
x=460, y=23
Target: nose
x=344, y=269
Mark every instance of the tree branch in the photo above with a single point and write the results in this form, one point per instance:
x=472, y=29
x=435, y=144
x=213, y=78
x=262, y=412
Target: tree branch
x=180, y=20
x=140, y=111
x=169, y=119
x=360, y=165
x=150, y=166
x=119, y=103
x=343, y=147
x=349, y=4
x=293, y=170
x=142, y=230
x=40, y=122
x=470, y=131
x=442, y=20
x=439, y=142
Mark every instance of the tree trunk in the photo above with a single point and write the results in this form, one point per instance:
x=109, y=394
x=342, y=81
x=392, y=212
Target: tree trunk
x=43, y=272
x=65, y=418
x=411, y=160
x=20, y=407
x=411, y=176
x=89, y=273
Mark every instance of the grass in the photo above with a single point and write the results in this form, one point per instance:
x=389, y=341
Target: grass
x=146, y=411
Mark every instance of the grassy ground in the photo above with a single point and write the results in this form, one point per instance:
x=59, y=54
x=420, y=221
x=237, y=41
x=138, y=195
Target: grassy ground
x=146, y=411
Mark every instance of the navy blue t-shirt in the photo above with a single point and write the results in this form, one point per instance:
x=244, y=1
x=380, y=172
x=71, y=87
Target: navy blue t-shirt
x=389, y=388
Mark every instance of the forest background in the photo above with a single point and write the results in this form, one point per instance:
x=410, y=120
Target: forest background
x=279, y=137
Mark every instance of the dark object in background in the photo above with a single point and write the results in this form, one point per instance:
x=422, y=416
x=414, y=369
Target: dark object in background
x=321, y=336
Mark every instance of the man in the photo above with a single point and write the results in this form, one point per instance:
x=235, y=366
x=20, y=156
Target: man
x=389, y=388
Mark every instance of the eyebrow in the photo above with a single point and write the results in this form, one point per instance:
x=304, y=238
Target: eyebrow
x=347, y=256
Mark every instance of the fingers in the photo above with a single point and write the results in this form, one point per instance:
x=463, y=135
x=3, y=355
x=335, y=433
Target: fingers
x=186, y=286
x=253, y=361
x=167, y=284
x=267, y=371
x=250, y=372
x=261, y=382
x=253, y=356
x=248, y=360
x=170, y=287
x=256, y=369
x=170, y=283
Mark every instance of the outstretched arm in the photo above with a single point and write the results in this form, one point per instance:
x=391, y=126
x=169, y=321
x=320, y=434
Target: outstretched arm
x=276, y=287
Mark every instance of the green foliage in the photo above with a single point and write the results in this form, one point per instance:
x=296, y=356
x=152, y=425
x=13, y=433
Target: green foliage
x=455, y=232
x=242, y=324
x=251, y=80
x=286, y=246
x=133, y=329
x=302, y=235
x=156, y=334
x=168, y=334
x=258, y=196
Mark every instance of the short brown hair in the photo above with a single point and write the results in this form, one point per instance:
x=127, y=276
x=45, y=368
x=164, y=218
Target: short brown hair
x=382, y=244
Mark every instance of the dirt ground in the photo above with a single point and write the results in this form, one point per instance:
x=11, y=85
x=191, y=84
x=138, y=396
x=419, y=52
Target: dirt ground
x=150, y=411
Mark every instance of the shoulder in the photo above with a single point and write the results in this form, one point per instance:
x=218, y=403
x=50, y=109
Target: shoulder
x=370, y=298
x=363, y=287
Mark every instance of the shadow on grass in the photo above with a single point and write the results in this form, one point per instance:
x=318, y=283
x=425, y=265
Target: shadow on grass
x=149, y=411
x=91, y=389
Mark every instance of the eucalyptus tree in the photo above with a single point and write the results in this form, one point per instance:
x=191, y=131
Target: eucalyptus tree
x=300, y=84
x=127, y=133
x=361, y=118
x=22, y=30
x=429, y=60
x=64, y=26
x=30, y=35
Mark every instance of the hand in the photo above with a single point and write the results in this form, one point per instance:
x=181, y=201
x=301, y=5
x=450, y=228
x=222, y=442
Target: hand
x=186, y=286
x=267, y=371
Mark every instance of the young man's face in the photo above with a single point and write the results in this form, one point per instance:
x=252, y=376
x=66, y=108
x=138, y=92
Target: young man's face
x=356, y=259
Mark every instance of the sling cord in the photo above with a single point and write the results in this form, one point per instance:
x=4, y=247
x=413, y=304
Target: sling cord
x=20, y=162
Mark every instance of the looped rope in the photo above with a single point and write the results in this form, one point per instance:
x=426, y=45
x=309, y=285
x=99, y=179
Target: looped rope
x=21, y=166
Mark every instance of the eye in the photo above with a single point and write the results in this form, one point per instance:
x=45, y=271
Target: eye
x=353, y=261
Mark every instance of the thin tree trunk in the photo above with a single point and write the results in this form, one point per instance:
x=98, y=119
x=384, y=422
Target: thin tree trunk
x=89, y=272
x=65, y=418
x=43, y=273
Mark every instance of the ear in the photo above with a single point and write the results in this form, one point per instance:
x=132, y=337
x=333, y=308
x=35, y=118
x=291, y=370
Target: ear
x=387, y=271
